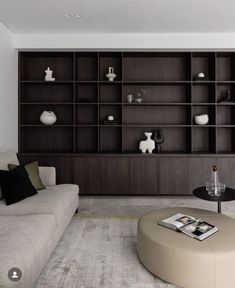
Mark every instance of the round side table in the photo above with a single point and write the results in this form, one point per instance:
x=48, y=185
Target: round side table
x=227, y=195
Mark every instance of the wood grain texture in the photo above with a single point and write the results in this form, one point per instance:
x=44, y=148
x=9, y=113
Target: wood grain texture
x=115, y=176
x=87, y=174
x=173, y=176
x=144, y=176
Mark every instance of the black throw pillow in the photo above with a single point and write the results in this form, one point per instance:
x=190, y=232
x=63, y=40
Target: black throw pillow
x=16, y=185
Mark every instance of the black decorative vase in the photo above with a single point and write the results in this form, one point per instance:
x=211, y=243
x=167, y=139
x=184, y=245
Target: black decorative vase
x=158, y=138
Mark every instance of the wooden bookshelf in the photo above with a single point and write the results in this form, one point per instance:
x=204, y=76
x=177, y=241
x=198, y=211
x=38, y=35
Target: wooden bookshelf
x=82, y=98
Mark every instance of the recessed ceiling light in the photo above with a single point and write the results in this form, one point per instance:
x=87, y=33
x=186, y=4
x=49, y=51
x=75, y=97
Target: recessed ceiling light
x=72, y=15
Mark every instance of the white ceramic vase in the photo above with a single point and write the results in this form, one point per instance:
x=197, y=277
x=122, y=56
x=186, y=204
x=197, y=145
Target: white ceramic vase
x=147, y=145
x=202, y=119
x=111, y=75
x=48, y=117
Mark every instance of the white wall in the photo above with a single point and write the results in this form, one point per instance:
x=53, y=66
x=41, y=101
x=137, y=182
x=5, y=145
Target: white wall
x=203, y=41
x=8, y=91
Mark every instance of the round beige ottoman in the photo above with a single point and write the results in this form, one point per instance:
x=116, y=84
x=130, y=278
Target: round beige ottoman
x=184, y=261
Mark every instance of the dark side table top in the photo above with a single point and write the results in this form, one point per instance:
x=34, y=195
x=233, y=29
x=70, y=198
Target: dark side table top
x=228, y=195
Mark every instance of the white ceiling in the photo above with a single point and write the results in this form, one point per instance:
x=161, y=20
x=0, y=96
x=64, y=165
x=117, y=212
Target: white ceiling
x=120, y=16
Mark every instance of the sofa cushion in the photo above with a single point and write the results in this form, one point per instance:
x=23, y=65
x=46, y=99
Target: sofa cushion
x=22, y=241
x=5, y=159
x=33, y=172
x=16, y=185
x=54, y=200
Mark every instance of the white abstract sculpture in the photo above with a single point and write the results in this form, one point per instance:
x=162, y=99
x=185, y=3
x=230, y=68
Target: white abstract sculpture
x=148, y=144
x=48, y=76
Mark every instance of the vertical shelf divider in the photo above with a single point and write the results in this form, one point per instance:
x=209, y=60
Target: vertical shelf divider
x=191, y=100
x=216, y=106
x=122, y=106
x=74, y=102
x=215, y=99
x=98, y=102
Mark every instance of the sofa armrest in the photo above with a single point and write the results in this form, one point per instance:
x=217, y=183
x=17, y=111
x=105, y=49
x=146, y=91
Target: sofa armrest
x=48, y=175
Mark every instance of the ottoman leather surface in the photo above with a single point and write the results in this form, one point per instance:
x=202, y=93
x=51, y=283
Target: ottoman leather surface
x=182, y=260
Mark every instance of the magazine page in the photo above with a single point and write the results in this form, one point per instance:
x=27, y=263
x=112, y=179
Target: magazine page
x=177, y=221
x=199, y=229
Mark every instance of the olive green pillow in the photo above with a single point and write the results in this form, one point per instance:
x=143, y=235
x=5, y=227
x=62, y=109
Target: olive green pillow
x=33, y=171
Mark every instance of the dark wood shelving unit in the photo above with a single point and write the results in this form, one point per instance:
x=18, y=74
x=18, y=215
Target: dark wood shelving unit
x=82, y=98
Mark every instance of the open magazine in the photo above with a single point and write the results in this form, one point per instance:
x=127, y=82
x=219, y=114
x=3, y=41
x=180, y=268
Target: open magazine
x=195, y=228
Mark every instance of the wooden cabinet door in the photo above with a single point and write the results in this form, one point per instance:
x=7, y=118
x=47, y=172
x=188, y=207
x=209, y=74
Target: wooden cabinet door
x=144, y=176
x=115, y=176
x=64, y=170
x=226, y=169
x=86, y=173
x=199, y=171
x=173, y=176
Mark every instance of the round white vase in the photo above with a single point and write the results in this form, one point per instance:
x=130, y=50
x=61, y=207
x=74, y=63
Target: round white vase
x=202, y=119
x=48, y=117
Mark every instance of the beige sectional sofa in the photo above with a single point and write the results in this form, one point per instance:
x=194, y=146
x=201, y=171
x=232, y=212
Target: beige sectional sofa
x=30, y=229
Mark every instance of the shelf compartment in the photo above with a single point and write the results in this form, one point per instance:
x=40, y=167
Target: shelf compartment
x=86, y=140
x=221, y=91
x=110, y=59
x=177, y=140
x=107, y=110
x=44, y=139
x=30, y=114
x=34, y=64
x=110, y=139
x=203, y=93
x=225, y=140
x=110, y=93
x=86, y=66
x=159, y=93
x=204, y=139
x=225, y=66
x=203, y=62
x=226, y=115
x=86, y=115
x=139, y=66
x=204, y=109
x=157, y=115
x=46, y=93
x=86, y=93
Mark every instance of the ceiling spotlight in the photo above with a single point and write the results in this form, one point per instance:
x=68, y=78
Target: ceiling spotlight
x=72, y=15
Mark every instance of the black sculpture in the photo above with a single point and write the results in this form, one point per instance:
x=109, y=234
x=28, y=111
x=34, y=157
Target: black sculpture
x=158, y=138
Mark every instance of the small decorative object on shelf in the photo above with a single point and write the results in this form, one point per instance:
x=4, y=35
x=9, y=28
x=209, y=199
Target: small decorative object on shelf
x=227, y=98
x=130, y=98
x=158, y=137
x=110, y=120
x=48, y=117
x=111, y=75
x=48, y=76
x=214, y=187
x=202, y=119
x=140, y=95
x=200, y=76
x=147, y=145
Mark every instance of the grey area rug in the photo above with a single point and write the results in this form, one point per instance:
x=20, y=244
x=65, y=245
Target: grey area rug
x=98, y=252
x=98, y=249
